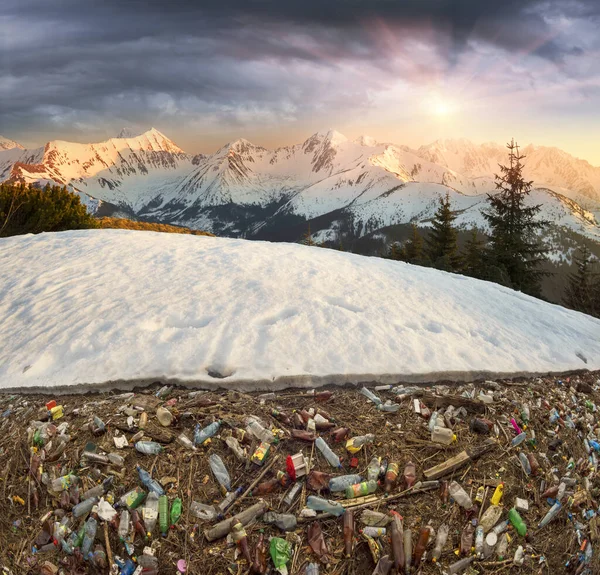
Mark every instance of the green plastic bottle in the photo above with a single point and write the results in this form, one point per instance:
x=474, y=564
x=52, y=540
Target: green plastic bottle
x=517, y=522
x=163, y=515
x=175, y=511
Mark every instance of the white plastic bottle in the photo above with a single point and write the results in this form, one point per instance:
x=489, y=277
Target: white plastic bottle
x=460, y=495
x=329, y=455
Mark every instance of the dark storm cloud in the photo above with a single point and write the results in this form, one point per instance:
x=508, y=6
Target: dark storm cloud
x=75, y=62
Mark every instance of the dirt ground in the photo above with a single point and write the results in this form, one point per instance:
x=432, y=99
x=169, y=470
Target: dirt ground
x=400, y=437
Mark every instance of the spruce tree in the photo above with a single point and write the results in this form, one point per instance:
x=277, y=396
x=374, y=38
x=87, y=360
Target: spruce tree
x=394, y=252
x=514, y=246
x=412, y=250
x=473, y=258
x=307, y=239
x=442, y=246
x=583, y=289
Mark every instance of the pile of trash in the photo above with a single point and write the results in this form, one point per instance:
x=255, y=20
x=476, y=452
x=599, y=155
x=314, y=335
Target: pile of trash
x=470, y=478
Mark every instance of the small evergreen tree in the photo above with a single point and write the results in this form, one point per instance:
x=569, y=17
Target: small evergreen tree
x=307, y=238
x=412, y=250
x=584, y=286
x=394, y=252
x=473, y=258
x=442, y=246
x=514, y=246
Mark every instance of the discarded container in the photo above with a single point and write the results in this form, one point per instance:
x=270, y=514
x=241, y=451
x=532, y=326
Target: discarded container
x=361, y=489
x=348, y=532
x=163, y=515
x=479, y=540
x=296, y=466
x=460, y=495
x=440, y=542
x=342, y=482
x=489, y=544
x=238, y=534
x=490, y=517
x=354, y=444
x=202, y=434
x=408, y=550
x=410, y=474
x=374, y=531
x=91, y=526
x=202, y=511
x=460, y=565
x=150, y=513
x=260, y=556
x=280, y=554
x=517, y=522
x=186, y=442
x=374, y=518
x=519, y=439
x=133, y=499
x=384, y=566
x=328, y=506
x=149, y=483
x=329, y=455
x=391, y=476
x=164, y=416
x=397, y=535
x=124, y=524
x=370, y=396
x=442, y=435
x=421, y=545
x=220, y=471
x=551, y=515
x=466, y=538
x=85, y=507
x=261, y=453
x=148, y=447
x=284, y=521
x=497, y=496
x=259, y=431
x=292, y=494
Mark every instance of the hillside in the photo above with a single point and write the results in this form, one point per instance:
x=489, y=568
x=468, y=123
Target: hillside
x=125, y=224
x=100, y=306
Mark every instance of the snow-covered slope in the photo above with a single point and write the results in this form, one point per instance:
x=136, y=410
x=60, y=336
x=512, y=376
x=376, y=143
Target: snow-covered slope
x=100, y=306
x=6, y=144
x=242, y=188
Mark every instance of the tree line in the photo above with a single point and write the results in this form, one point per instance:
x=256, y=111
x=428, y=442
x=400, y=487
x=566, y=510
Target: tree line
x=512, y=254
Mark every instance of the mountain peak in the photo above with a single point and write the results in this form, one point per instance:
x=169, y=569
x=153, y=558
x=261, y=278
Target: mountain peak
x=6, y=144
x=332, y=136
x=366, y=141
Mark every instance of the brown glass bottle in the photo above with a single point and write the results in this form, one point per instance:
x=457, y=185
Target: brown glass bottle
x=260, y=556
x=348, y=532
x=421, y=546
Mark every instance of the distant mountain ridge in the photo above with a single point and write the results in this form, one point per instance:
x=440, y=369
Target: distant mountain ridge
x=248, y=191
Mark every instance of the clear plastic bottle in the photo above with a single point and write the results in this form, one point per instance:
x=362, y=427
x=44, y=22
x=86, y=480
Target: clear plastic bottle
x=320, y=504
x=292, y=494
x=361, y=489
x=149, y=483
x=91, y=526
x=148, y=447
x=460, y=565
x=502, y=546
x=235, y=446
x=408, y=550
x=227, y=502
x=342, y=482
x=203, y=511
x=116, y=459
x=389, y=407
x=525, y=463
x=124, y=525
x=150, y=513
x=479, y=540
x=328, y=454
x=220, y=471
x=489, y=544
x=552, y=513
x=460, y=495
x=490, y=517
x=284, y=521
x=519, y=557
x=370, y=395
x=519, y=439
x=440, y=542
x=98, y=490
x=256, y=429
x=85, y=506
x=373, y=469
x=312, y=569
x=64, y=482
x=374, y=531
x=186, y=442
x=501, y=527
x=202, y=434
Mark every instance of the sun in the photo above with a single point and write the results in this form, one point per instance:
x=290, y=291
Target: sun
x=440, y=106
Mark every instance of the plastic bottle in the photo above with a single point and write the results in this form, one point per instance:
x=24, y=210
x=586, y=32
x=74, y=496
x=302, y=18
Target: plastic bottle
x=116, y=459
x=186, y=442
x=498, y=492
x=391, y=476
x=124, y=525
x=220, y=471
x=163, y=515
x=312, y=569
x=552, y=513
x=320, y=504
x=502, y=546
x=466, y=539
x=397, y=534
x=461, y=565
x=389, y=407
x=149, y=483
x=348, y=532
x=98, y=426
x=202, y=511
x=460, y=495
x=99, y=490
x=517, y=522
x=370, y=395
x=201, y=435
x=234, y=445
x=148, y=447
x=533, y=464
x=238, y=534
x=361, y=489
x=292, y=494
x=164, y=416
x=421, y=545
x=64, y=482
x=525, y=463
x=259, y=431
x=490, y=517
x=442, y=435
x=440, y=541
x=260, y=556
x=342, y=482
x=479, y=539
x=228, y=500
x=519, y=439
x=150, y=513
x=85, y=506
x=519, y=557
x=91, y=526
x=489, y=544
x=410, y=474
x=133, y=498
x=354, y=444
x=98, y=558
x=408, y=550
x=374, y=531
x=284, y=521
x=373, y=469
x=329, y=455
x=175, y=511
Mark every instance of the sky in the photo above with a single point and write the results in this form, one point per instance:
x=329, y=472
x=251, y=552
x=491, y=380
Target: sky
x=208, y=72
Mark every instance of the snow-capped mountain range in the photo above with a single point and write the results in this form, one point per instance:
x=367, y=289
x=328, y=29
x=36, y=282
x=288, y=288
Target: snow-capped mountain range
x=246, y=190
